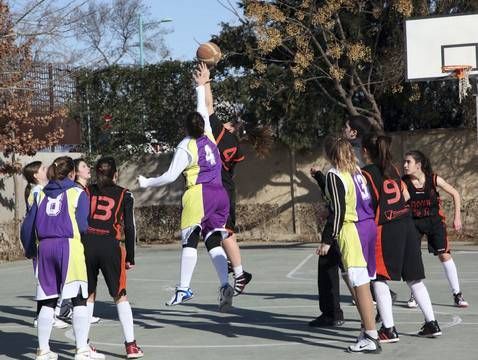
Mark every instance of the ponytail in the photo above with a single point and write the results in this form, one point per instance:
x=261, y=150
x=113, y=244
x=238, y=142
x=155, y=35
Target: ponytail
x=29, y=172
x=378, y=147
x=60, y=168
x=105, y=172
x=28, y=190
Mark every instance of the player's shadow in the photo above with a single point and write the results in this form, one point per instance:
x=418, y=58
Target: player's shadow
x=247, y=323
x=276, y=296
x=17, y=311
x=19, y=345
x=106, y=310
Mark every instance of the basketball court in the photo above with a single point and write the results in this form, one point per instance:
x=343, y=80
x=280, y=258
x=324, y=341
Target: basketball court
x=268, y=322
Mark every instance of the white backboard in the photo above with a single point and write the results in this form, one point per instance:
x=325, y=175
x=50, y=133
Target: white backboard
x=433, y=42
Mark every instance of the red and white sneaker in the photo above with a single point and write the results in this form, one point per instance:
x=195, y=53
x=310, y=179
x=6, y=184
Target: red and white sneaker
x=133, y=351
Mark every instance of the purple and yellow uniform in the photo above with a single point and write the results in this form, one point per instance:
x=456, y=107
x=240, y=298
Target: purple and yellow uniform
x=205, y=202
x=352, y=221
x=58, y=215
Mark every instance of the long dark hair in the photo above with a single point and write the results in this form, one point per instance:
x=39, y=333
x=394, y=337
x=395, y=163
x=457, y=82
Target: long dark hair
x=194, y=125
x=60, y=168
x=105, y=171
x=421, y=158
x=378, y=148
x=29, y=172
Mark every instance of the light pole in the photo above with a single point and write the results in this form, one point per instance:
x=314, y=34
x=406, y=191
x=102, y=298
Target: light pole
x=140, y=26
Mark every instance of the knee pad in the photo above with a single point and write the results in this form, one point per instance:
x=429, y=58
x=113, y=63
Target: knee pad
x=193, y=239
x=78, y=301
x=214, y=240
x=51, y=303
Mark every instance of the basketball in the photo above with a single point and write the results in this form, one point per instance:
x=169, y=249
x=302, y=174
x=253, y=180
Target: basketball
x=209, y=53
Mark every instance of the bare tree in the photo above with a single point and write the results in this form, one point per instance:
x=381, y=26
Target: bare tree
x=92, y=33
x=19, y=119
x=109, y=33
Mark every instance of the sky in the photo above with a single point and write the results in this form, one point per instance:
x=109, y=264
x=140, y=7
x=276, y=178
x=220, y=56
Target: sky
x=193, y=21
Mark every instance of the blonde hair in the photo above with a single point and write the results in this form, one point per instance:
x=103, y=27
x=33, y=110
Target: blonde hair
x=340, y=153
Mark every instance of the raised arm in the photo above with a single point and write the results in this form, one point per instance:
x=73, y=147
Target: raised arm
x=209, y=98
x=442, y=184
x=201, y=77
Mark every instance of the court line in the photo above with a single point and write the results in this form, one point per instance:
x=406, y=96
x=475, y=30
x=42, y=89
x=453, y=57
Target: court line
x=290, y=275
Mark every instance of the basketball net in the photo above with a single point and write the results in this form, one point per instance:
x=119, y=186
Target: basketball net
x=462, y=73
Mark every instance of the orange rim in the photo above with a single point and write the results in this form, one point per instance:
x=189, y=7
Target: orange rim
x=459, y=71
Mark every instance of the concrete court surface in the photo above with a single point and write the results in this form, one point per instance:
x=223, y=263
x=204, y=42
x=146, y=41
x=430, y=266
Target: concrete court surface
x=268, y=322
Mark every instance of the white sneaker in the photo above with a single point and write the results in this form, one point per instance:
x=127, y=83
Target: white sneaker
x=46, y=355
x=95, y=320
x=411, y=303
x=95, y=354
x=225, y=298
x=88, y=353
x=366, y=344
x=59, y=324
x=35, y=322
x=180, y=295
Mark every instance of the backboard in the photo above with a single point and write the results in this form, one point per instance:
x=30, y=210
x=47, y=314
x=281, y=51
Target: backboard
x=433, y=42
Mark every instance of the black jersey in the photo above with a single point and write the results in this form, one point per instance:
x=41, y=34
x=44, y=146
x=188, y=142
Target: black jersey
x=111, y=208
x=229, y=148
x=387, y=195
x=425, y=201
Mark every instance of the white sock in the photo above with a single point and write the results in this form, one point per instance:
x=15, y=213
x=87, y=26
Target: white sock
x=422, y=298
x=81, y=326
x=237, y=270
x=189, y=257
x=125, y=315
x=45, y=324
x=384, y=302
x=91, y=307
x=219, y=259
x=372, y=333
x=452, y=275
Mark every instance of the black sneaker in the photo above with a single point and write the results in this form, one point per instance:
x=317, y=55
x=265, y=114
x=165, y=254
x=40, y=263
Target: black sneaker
x=460, y=300
x=388, y=335
x=430, y=329
x=241, y=281
x=325, y=321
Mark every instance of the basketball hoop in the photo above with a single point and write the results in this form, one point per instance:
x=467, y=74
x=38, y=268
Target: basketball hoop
x=462, y=73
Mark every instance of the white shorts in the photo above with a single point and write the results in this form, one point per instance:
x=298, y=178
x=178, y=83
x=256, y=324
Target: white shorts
x=358, y=276
x=186, y=233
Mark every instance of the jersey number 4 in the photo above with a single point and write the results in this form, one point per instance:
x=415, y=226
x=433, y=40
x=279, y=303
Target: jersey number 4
x=210, y=158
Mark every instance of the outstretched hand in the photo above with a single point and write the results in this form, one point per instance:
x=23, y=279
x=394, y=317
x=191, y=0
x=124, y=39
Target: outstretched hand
x=201, y=74
x=143, y=182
